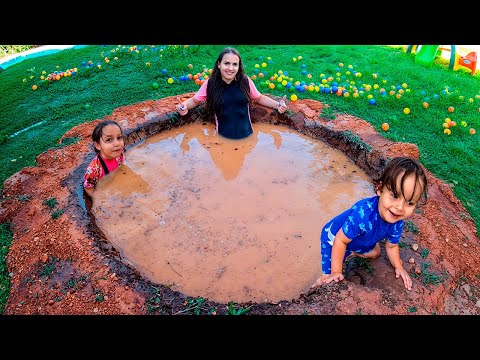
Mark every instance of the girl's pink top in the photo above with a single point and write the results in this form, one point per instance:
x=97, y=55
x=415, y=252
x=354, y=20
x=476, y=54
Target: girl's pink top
x=95, y=170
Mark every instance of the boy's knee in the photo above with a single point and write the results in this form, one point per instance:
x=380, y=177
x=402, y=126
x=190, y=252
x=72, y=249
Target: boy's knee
x=376, y=251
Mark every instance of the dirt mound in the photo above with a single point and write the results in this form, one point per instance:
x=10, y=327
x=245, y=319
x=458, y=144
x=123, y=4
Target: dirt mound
x=61, y=264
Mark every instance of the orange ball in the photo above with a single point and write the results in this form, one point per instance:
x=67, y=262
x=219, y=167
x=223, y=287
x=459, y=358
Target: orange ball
x=385, y=126
x=451, y=109
x=425, y=105
x=34, y=87
x=472, y=131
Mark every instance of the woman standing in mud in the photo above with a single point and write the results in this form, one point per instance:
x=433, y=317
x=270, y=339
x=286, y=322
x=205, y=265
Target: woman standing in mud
x=228, y=92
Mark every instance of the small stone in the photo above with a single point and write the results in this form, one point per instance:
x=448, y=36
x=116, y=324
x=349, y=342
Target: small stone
x=414, y=247
x=411, y=261
x=418, y=271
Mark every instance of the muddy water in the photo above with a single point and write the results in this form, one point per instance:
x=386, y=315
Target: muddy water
x=227, y=220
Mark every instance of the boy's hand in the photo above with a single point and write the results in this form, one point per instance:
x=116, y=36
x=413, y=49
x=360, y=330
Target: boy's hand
x=407, y=280
x=326, y=278
x=337, y=277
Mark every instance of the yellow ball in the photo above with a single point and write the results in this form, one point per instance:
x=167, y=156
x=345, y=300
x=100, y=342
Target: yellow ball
x=406, y=111
x=170, y=80
x=293, y=97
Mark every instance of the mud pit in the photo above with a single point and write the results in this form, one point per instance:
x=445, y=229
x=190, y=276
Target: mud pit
x=64, y=264
x=217, y=218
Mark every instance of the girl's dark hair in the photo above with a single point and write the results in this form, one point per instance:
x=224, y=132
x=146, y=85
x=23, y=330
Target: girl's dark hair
x=98, y=131
x=215, y=83
x=408, y=166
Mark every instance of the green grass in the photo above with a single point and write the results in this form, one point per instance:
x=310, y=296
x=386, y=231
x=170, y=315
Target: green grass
x=57, y=106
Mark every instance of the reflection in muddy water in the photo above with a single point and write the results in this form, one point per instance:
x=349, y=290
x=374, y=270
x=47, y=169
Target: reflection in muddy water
x=227, y=220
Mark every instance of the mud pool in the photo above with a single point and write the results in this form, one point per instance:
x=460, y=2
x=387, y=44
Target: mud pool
x=227, y=220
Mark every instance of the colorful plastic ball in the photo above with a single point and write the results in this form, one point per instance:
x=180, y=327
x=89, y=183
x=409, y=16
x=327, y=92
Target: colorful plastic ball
x=170, y=80
x=155, y=85
x=372, y=102
x=293, y=97
x=164, y=71
x=406, y=111
x=425, y=104
x=34, y=87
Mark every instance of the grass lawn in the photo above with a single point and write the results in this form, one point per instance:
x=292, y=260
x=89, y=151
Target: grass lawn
x=431, y=106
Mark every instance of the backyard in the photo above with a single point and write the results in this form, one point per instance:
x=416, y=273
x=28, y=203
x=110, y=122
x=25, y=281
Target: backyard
x=49, y=102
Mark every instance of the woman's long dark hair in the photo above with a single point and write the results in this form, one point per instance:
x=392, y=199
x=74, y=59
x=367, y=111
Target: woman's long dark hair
x=215, y=83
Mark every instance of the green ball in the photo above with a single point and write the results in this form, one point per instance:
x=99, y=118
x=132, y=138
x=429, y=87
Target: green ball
x=155, y=85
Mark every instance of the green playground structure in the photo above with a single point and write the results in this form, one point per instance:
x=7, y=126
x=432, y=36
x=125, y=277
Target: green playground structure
x=427, y=53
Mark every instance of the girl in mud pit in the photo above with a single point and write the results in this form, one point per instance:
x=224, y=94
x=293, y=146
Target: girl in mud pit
x=109, y=146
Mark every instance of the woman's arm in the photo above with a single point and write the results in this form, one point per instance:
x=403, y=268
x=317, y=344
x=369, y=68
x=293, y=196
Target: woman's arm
x=268, y=102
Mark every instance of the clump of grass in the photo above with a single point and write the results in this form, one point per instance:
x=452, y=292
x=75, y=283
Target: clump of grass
x=50, y=202
x=412, y=227
x=428, y=277
x=5, y=241
x=355, y=139
x=327, y=113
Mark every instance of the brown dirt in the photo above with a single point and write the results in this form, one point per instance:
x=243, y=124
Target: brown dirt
x=64, y=265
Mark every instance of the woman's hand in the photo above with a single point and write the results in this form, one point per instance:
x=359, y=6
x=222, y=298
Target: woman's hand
x=282, y=105
x=181, y=107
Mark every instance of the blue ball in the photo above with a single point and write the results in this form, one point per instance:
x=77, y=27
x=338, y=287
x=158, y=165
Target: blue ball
x=164, y=71
x=372, y=102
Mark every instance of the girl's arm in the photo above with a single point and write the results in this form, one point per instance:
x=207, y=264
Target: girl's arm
x=393, y=254
x=89, y=191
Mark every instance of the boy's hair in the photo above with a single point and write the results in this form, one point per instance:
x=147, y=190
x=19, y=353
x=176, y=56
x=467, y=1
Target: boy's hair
x=98, y=131
x=409, y=166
